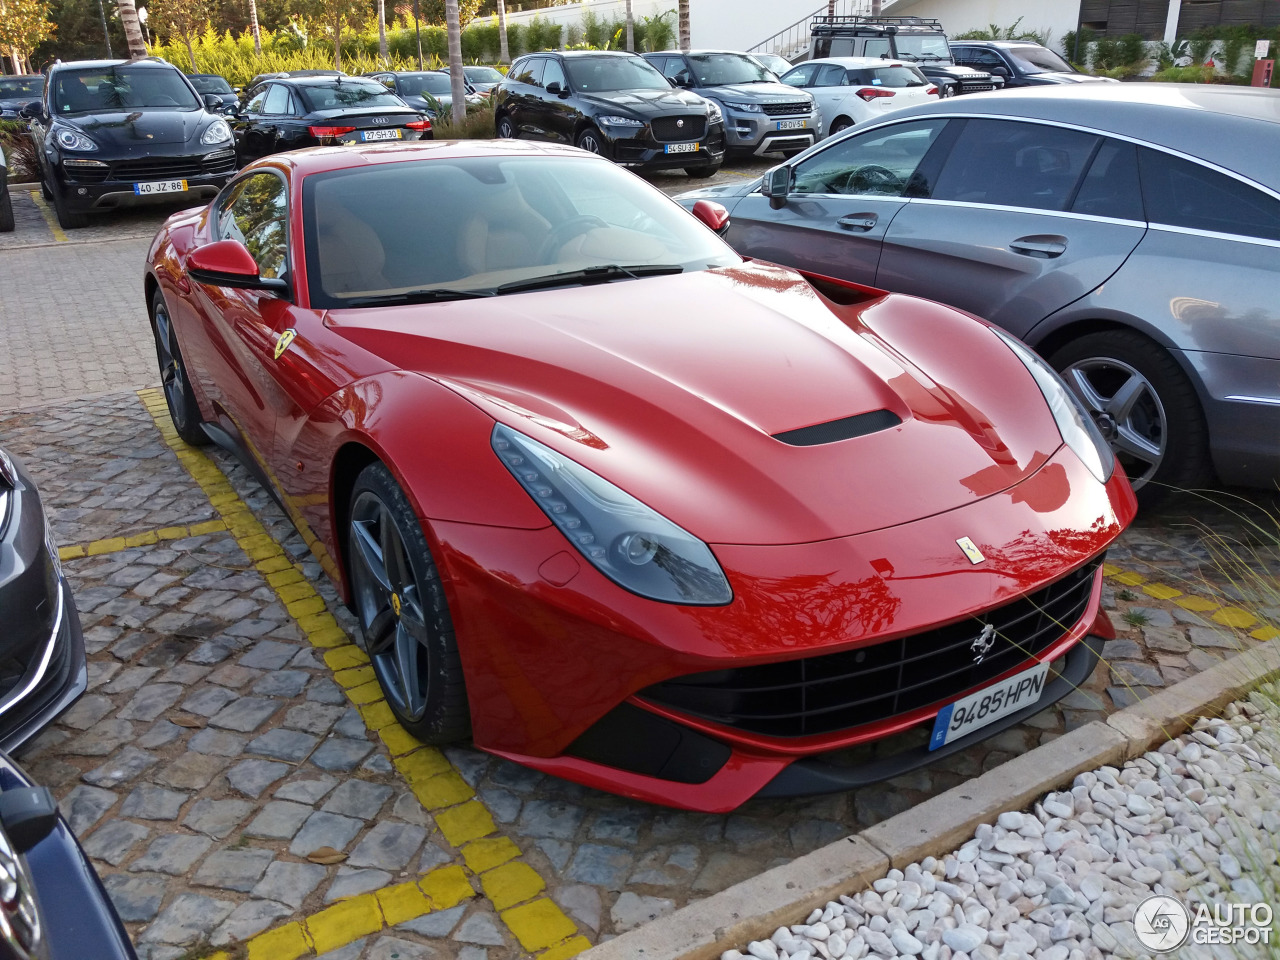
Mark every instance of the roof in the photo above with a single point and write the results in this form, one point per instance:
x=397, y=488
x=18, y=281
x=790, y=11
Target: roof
x=324, y=159
x=673, y=53
x=146, y=62
x=585, y=54
x=1003, y=44
x=1234, y=127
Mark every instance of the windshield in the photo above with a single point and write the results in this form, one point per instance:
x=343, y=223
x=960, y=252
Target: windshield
x=123, y=87
x=416, y=84
x=602, y=74
x=17, y=88
x=348, y=93
x=450, y=229
x=716, y=69
x=210, y=84
x=773, y=63
x=930, y=46
x=482, y=74
x=1039, y=60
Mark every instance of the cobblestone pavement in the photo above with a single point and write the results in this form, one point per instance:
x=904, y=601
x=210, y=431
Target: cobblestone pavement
x=229, y=777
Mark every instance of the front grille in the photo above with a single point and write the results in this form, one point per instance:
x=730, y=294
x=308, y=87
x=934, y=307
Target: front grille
x=785, y=109
x=159, y=168
x=977, y=87
x=224, y=161
x=676, y=129
x=837, y=691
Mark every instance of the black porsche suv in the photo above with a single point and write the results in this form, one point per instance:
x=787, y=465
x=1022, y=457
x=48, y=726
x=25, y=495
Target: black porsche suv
x=111, y=133
x=611, y=103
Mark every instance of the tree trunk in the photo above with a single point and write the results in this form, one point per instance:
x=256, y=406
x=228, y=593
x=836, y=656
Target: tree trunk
x=504, y=52
x=382, y=32
x=831, y=8
x=631, y=27
x=875, y=8
x=337, y=41
x=190, y=52
x=132, y=28
x=457, y=86
x=685, y=43
x=253, y=25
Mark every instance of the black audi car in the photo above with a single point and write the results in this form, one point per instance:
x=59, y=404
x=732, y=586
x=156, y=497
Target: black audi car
x=210, y=84
x=430, y=91
x=17, y=92
x=611, y=103
x=42, y=662
x=52, y=904
x=293, y=112
x=112, y=133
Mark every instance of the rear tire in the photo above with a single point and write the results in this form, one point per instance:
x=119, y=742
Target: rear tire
x=703, y=172
x=839, y=125
x=6, y=213
x=1146, y=406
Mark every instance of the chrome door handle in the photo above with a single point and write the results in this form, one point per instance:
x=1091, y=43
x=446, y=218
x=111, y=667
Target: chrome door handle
x=858, y=221
x=1041, y=247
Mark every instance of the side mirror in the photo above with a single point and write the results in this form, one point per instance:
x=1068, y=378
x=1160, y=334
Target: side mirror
x=554, y=88
x=227, y=263
x=212, y=102
x=31, y=111
x=712, y=214
x=1000, y=72
x=776, y=186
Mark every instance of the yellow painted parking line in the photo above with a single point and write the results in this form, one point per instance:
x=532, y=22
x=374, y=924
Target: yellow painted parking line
x=1218, y=612
x=513, y=887
x=97, y=548
x=49, y=217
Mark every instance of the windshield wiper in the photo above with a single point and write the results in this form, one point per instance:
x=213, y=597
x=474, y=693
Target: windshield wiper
x=589, y=275
x=428, y=295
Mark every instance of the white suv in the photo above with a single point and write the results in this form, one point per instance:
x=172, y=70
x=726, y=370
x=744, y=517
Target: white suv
x=853, y=90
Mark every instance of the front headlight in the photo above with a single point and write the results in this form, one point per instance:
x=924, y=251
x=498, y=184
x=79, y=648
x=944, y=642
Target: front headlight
x=218, y=132
x=622, y=121
x=1078, y=430
x=71, y=140
x=713, y=111
x=635, y=547
x=745, y=107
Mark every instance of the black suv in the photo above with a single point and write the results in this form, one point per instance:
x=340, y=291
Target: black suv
x=112, y=133
x=1020, y=63
x=914, y=39
x=611, y=103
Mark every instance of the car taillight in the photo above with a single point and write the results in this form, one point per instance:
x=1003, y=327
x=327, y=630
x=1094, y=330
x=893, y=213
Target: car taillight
x=874, y=93
x=322, y=132
x=930, y=90
x=419, y=124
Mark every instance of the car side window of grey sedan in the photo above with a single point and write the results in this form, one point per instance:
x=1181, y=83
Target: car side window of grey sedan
x=883, y=163
x=1180, y=193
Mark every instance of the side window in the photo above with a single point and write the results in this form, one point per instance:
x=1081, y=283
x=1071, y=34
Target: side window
x=799, y=77
x=879, y=163
x=672, y=67
x=829, y=75
x=964, y=55
x=876, y=48
x=1180, y=193
x=255, y=212
x=1015, y=164
x=1111, y=187
x=520, y=71
x=533, y=71
x=554, y=73
x=255, y=105
x=277, y=100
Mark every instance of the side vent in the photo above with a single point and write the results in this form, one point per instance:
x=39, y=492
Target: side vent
x=843, y=429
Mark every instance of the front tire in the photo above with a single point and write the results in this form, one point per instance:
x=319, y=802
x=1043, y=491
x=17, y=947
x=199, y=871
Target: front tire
x=1145, y=406
x=591, y=140
x=506, y=129
x=6, y=213
x=399, y=600
x=174, y=380
x=68, y=219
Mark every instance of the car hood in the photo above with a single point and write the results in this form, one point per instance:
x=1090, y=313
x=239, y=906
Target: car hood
x=1066, y=78
x=648, y=103
x=674, y=387
x=756, y=92
x=132, y=128
x=938, y=68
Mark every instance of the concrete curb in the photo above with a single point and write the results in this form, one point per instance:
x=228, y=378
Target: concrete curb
x=753, y=909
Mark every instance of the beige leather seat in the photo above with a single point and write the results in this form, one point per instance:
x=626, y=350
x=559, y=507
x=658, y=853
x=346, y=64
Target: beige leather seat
x=351, y=254
x=502, y=234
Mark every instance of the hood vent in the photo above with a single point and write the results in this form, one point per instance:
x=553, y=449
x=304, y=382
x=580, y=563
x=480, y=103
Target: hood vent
x=845, y=428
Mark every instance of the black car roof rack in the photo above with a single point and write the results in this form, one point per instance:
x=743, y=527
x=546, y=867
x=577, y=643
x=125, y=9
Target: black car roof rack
x=823, y=26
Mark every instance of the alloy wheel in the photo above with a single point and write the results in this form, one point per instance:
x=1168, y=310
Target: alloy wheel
x=1127, y=409
x=173, y=376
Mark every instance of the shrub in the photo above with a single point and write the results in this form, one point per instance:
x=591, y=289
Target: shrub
x=478, y=125
x=19, y=150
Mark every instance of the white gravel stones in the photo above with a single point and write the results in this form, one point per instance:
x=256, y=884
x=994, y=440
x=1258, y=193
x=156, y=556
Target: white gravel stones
x=1199, y=819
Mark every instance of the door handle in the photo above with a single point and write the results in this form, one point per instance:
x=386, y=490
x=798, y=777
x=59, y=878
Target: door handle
x=1042, y=247
x=858, y=221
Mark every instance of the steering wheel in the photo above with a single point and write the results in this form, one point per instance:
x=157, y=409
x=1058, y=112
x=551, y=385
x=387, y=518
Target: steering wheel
x=565, y=231
x=872, y=177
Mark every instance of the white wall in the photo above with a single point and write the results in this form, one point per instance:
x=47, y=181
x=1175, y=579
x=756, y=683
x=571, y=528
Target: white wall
x=959, y=16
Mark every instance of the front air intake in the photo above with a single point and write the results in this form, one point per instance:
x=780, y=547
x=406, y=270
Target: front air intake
x=844, y=429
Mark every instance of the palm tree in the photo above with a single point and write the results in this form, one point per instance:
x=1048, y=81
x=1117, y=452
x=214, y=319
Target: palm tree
x=132, y=28
x=253, y=26
x=382, y=31
x=457, y=86
x=683, y=21
x=504, y=54
x=631, y=27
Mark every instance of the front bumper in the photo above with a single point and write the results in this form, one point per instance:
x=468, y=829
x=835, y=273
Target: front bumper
x=87, y=183
x=645, y=151
x=557, y=657
x=758, y=133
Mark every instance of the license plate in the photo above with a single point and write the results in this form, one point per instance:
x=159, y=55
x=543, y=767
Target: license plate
x=368, y=135
x=988, y=705
x=159, y=186
x=682, y=148
x=791, y=124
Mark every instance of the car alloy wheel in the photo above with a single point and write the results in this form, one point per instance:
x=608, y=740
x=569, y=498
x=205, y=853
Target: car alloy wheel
x=506, y=129
x=840, y=126
x=399, y=601
x=178, y=394
x=589, y=140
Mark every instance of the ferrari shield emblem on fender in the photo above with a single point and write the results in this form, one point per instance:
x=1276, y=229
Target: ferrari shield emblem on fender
x=968, y=546
x=286, y=338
